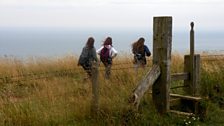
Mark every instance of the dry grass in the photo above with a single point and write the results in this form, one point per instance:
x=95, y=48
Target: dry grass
x=56, y=99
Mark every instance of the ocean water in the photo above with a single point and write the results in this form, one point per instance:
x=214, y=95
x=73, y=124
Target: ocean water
x=26, y=42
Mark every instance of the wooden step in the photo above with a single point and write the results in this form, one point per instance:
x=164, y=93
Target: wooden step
x=186, y=97
x=181, y=113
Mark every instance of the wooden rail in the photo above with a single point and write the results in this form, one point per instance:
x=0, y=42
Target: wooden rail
x=190, y=102
x=180, y=76
x=144, y=85
x=186, y=97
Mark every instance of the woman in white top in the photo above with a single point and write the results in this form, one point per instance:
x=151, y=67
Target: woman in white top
x=107, y=52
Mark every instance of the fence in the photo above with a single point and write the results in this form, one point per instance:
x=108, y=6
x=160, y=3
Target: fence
x=73, y=71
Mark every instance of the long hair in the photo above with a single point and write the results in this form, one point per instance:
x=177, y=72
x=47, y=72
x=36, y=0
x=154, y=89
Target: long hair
x=138, y=46
x=90, y=42
x=108, y=41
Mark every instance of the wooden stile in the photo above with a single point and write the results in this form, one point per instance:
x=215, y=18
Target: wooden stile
x=160, y=75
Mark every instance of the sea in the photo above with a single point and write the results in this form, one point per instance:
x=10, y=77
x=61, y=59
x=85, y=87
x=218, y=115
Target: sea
x=57, y=42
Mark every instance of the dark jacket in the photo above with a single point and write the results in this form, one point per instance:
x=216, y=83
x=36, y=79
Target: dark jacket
x=143, y=54
x=87, y=56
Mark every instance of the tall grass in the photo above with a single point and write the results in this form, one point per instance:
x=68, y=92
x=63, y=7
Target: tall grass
x=64, y=99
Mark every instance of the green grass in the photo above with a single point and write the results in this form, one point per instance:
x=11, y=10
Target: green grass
x=58, y=94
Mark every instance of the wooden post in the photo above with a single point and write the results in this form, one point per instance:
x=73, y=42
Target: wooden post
x=192, y=58
x=162, y=42
x=192, y=66
x=144, y=85
x=193, y=82
x=192, y=46
x=95, y=90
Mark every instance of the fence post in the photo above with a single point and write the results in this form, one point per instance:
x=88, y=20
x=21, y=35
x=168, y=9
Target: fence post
x=192, y=46
x=193, y=82
x=162, y=43
x=95, y=89
x=192, y=66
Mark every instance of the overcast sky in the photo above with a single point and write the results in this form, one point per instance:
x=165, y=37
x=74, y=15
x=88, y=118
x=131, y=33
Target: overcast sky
x=207, y=14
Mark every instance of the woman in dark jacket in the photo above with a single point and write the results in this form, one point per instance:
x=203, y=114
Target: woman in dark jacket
x=88, y=56
x=140, y=52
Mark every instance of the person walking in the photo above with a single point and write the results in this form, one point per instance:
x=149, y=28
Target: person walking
x=140, y=51
x=88, y=56
x=107, y=53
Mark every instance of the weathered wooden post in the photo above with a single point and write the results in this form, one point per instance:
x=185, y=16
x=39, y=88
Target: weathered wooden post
x=192, y=45
x=95, y=89
x=193, y=82
x=162, y=43
x=192, y=66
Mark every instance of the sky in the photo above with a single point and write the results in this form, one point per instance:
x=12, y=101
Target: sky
x=116, y=14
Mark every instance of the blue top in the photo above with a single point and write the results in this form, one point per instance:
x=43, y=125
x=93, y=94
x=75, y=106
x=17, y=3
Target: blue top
x=146, y=50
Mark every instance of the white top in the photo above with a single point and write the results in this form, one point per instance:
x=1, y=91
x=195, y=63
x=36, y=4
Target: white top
x=112, y=52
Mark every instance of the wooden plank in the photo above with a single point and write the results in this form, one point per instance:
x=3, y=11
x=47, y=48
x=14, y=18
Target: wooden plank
x=144, y=85
x=182, y=113
x=186, y=97
x=162, y=43
x=180, y=76
x=194, y=80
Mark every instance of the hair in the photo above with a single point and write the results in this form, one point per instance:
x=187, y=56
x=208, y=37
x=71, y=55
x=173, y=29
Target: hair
x=90, y=42
x=108, y=41
x=138, y=46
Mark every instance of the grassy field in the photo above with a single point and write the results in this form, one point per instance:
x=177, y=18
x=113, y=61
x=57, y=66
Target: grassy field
x=45, y=91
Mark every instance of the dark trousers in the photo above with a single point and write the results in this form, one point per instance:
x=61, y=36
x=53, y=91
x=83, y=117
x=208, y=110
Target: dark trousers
x=88, y=69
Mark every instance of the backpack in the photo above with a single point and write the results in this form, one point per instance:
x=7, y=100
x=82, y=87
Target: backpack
x=105, y=54
x=139, y=56
x=84, y=58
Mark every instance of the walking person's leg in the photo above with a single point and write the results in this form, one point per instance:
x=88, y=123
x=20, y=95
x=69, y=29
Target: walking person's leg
x=136, y=66
x=108, y=71
x=87, y=68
